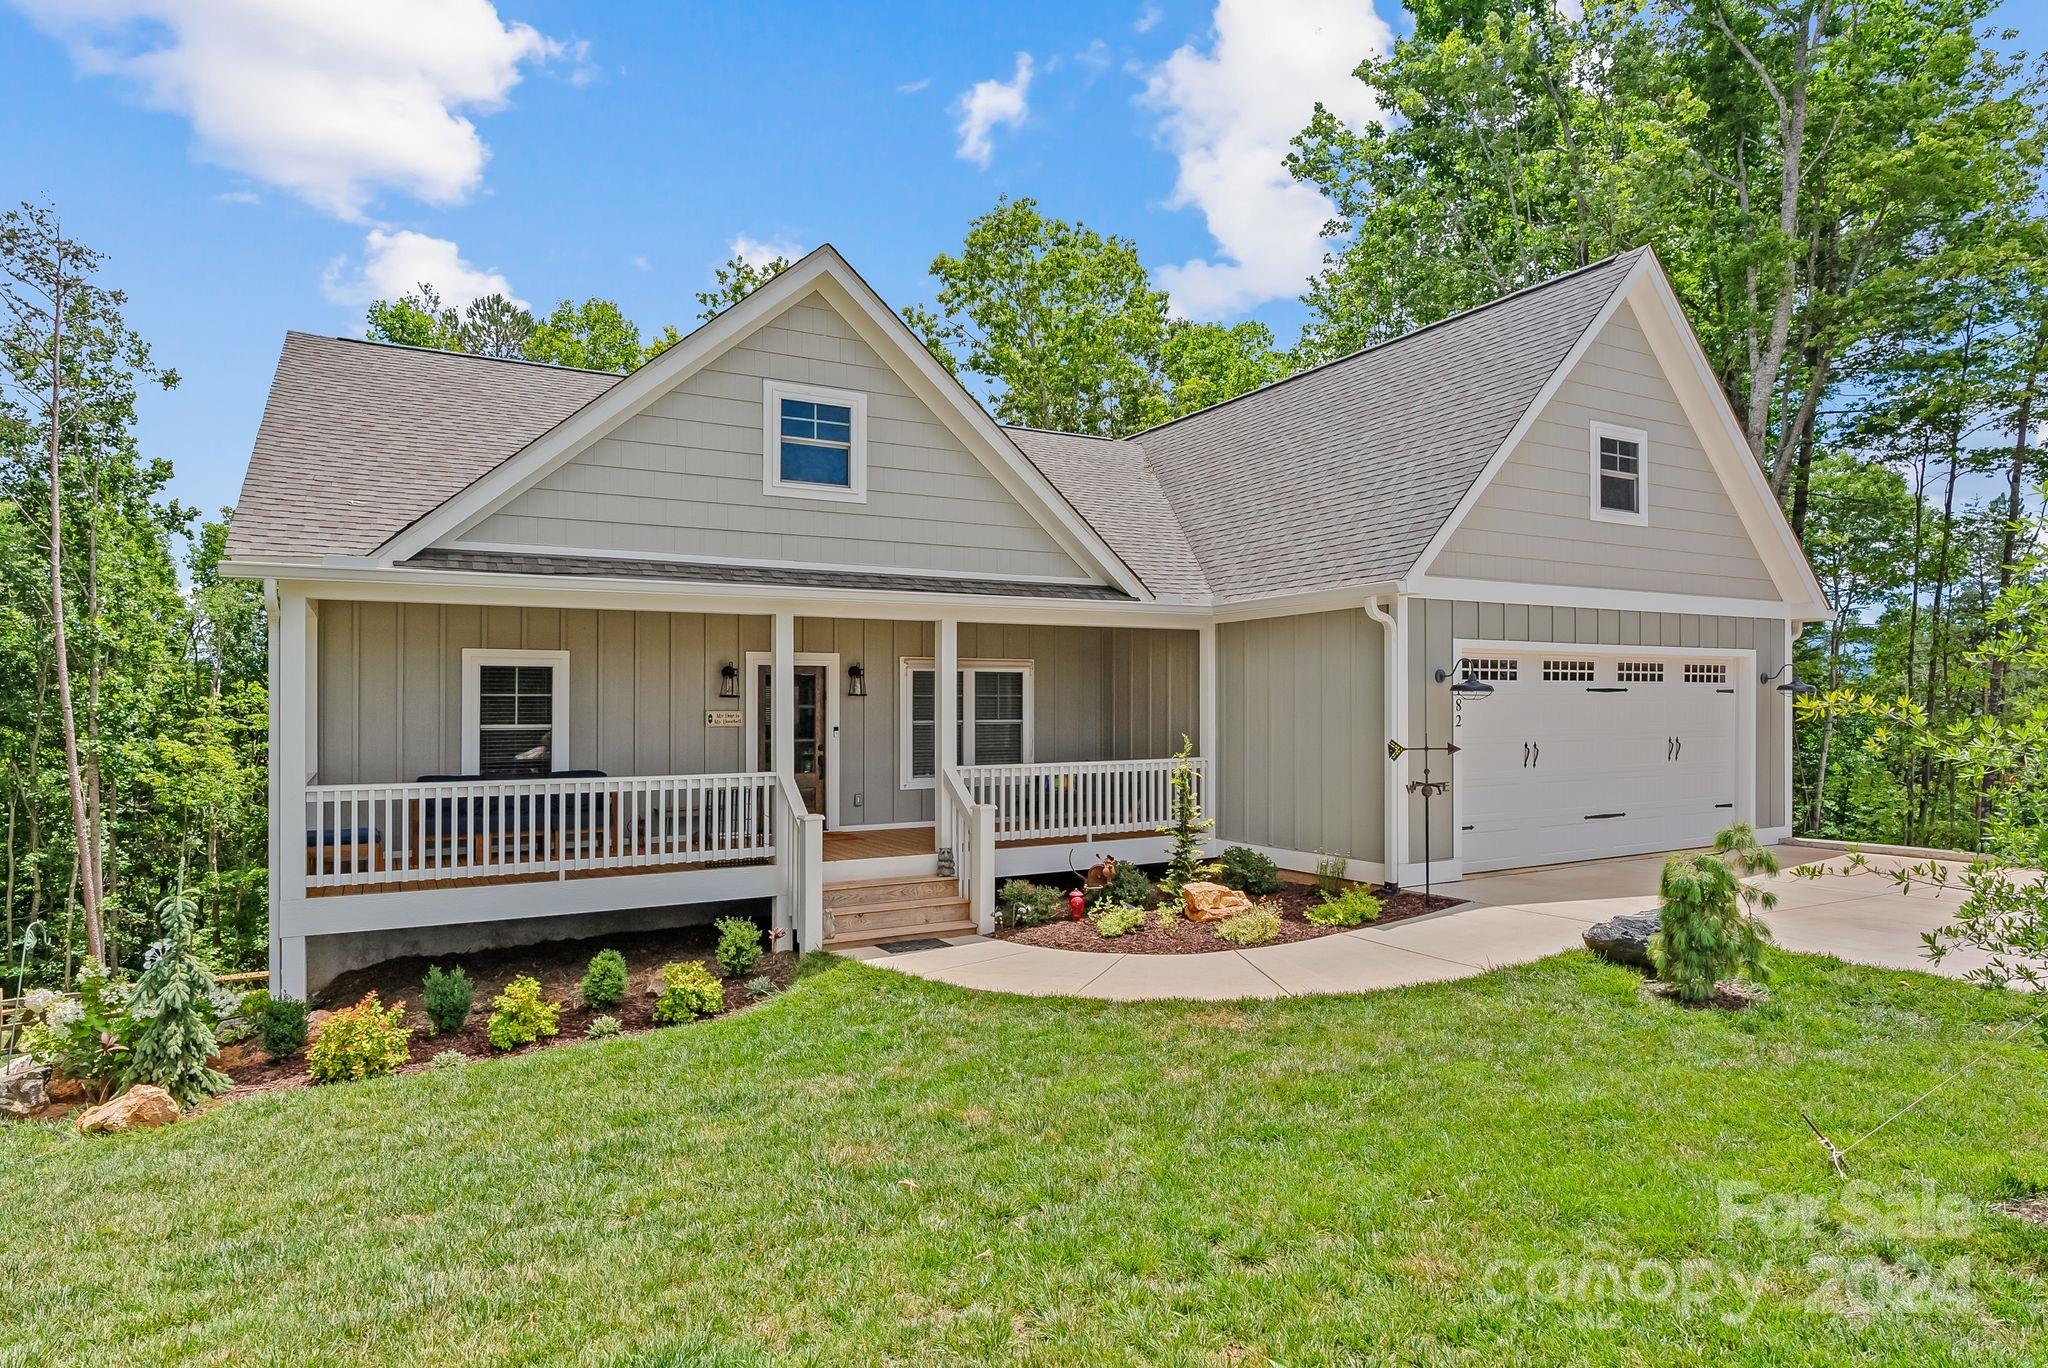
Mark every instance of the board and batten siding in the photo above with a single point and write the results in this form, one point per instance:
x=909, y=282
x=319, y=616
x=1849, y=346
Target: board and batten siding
x=1434, y=625
x=1533, y=522
x=390, y=690
x=1301, y=711
x=683, y=477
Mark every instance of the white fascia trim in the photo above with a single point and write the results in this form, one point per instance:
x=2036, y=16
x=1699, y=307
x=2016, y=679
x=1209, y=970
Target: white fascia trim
x=402, y=585
x=1528, y=419
x=1641, y=441
x=1627, y=600
x=828, y=272
x=1295, y=604
x=1684, y=361
x=773, y=392
x=749, y=562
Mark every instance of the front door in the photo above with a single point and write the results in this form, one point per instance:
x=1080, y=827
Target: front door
x=811, y=734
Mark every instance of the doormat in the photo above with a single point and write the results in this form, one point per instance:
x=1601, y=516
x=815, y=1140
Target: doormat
x=904, y=947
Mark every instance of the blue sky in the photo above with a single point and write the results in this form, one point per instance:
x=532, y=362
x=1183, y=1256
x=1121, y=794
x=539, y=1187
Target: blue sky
x=250, y=175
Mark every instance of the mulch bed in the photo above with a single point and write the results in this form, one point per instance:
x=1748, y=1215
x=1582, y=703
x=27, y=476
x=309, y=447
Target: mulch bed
x=1185, y=937
x=559, y=966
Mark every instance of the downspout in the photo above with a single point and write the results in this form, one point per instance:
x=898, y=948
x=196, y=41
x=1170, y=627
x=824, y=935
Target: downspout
x=1394, y=706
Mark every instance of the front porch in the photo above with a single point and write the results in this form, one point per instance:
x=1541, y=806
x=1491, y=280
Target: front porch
x=817, y=753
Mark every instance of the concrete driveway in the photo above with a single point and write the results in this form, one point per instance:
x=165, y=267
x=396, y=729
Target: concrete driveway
x=1509, y=918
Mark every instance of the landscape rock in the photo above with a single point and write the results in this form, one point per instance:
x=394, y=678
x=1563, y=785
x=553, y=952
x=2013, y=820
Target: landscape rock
x=239, y=1055
x=24, y=1087
x=67, y=1090
x=1624, y=939
x=145, y=1104
x=1209, y=902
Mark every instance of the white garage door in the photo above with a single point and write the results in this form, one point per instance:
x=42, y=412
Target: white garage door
x=1575, y=756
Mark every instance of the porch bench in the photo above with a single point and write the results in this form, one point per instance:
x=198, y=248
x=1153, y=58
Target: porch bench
x=505, y=821
x=344, y=850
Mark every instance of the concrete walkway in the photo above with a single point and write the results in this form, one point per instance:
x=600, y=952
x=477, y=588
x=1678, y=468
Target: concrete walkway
x=1509, y=918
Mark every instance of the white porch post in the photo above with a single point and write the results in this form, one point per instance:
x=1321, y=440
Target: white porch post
x=1209, y=743
x=782, y=696
x=945, y=693
x=294, y=704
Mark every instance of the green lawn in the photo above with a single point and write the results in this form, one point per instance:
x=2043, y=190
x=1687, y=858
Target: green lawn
x=872, y=1167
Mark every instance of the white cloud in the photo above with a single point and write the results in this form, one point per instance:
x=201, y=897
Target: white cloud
x=987, y=104
x=335, y=103
x=1228, y=115
x=912, y=87
x=396, y=263
x=1147, y=19
x=757, y=253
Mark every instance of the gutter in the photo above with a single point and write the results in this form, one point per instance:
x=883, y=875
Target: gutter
x=1394, y=706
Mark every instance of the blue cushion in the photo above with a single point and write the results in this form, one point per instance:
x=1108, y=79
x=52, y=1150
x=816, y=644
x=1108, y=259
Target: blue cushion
x=345, y=836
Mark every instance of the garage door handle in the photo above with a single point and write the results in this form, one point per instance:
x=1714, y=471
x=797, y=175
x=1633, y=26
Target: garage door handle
x=1667, y=747
x=1681, y=746
x=1525, y=755
x=1603, y=816
x=1538, y=749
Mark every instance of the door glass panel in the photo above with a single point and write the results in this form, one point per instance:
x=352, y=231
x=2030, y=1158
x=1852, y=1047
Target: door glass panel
x=808, y=696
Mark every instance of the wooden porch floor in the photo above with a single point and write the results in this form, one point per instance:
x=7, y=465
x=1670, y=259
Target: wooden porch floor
x=879, y=845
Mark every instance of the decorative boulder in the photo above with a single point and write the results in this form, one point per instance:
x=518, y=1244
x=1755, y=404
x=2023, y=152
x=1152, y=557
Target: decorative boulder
x=1208, y=902
x=145, y=1104
x=24, y=1087
x=1625, y=939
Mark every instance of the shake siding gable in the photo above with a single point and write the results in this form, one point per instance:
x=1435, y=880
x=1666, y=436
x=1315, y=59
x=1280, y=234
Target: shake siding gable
x=683, y=478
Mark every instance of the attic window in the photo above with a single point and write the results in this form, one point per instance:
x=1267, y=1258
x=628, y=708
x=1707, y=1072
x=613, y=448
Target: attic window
x=1621, y=477
x=814, y=443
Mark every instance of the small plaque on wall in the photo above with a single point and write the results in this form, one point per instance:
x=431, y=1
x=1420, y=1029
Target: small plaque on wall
x=725, y=719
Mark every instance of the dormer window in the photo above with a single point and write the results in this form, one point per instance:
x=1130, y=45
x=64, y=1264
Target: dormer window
x=816, y=443
x=1621, y=476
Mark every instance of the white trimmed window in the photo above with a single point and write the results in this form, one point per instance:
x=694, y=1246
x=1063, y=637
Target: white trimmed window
x=1621, y=474
x=994, y=702
x=515, y=707
x=816, y=443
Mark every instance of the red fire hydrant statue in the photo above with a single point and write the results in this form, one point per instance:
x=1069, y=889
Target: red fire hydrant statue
x=1077, y=903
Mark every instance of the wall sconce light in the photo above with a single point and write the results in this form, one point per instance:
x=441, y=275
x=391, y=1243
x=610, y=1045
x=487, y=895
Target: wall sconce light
x=856, y=681
x=728, y=680
x=1790, y=686
x=1466, y=686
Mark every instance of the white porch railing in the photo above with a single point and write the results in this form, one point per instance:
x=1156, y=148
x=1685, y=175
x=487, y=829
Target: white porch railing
x=800, y=853
x=1080, y=799
x=375, y=834
x=968, y=829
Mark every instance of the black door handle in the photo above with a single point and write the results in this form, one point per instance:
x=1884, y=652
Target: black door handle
x=1525, y=755
x=1539, y=756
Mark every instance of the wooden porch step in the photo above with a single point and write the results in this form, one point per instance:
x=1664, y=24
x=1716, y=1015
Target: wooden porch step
x=936, y=929
x=870, y=910
x=867, y=892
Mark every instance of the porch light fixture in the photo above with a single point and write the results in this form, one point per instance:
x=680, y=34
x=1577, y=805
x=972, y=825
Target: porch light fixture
x=1466, y=686
x=728, y=680
x=856, y=681
x=1790, y=686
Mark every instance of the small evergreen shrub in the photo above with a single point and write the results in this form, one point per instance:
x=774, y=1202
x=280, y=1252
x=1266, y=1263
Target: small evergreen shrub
x=602, y=1028
x=688, y=992
x=174, y=1004
x=1119, y=919
x=520, y=1016
x=1355, y=906
x=1255, y=927
x=449, y=1059
x=604, y=982
x=1187, y=859
x=1705, y=935
x=1247, y=871
x=1128, y=886
x=739, y=945
x=758, y=988
x=278, y=1023
x=1020, y=903
x=1330, y=869
x=447, y=998
x=362, y=1041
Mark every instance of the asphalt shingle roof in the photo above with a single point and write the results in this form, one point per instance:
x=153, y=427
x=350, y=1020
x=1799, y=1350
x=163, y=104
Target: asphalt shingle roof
x=768, y=576
x=359, y=439
x=1336, y=476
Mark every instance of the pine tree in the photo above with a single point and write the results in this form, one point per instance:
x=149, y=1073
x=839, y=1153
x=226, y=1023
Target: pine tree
x=173, y=1001
x=1187, y=862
